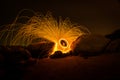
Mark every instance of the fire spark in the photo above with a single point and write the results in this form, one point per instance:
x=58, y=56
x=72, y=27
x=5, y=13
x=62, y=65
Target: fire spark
x=61, y=32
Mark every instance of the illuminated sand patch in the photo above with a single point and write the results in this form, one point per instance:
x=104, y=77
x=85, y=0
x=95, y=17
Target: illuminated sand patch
x=45, y=28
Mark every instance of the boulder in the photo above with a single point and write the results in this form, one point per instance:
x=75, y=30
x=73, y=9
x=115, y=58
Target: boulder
x=15, y=55
x=59, y=54
x=89, y=45
x=41, y=49
x=114, y=35
x=1, y=60
x=114, y=46
x=18, y=55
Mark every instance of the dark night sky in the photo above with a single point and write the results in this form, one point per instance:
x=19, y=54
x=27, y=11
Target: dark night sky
x=99, y=16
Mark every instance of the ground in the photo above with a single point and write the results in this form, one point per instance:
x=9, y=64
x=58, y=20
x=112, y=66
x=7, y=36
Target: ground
x=106, y=66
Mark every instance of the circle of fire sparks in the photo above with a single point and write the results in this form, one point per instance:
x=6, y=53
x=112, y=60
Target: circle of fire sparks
x=63, y=43
x=63, y=46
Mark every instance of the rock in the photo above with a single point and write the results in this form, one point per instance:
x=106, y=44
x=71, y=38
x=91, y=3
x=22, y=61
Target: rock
x=115, y=35
x=30, y=61
x=89, y=45
x=16, y=59
x=15, y=55
x=5, y=50
x=41, y=49
x=57, y=54
x=1, y=60
x=18, y=54
x=114, y=46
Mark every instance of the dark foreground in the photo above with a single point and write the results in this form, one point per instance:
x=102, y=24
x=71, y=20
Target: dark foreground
x=103, y=67
x=76, y=68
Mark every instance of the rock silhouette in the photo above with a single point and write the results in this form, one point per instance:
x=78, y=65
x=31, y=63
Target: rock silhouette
x=113, y=46
x=59, y=54
x=89, y=45
x=40, y=50
x=115, y=35
x=114, y=43
x=15, y=59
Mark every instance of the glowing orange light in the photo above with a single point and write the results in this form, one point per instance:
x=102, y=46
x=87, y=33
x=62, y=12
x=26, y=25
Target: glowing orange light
x=61, y=32
x=62, y=45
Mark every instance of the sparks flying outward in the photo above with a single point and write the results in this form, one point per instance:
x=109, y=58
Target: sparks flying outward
x=61, y=32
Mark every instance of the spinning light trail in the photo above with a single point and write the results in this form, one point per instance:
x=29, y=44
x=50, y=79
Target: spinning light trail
x=61, y=32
